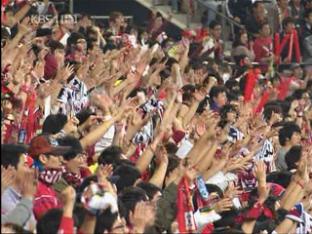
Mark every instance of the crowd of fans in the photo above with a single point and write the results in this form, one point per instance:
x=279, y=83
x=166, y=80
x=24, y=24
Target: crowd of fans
x=120, y=129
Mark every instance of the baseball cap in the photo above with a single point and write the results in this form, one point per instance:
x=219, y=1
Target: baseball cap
x=44, y=145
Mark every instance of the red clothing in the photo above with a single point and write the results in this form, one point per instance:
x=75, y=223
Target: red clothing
x=66, y=226
x=45, y=199
x=50, y=67
x=262, y=48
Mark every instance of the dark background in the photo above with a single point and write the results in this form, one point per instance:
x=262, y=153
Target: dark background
x=127, y=7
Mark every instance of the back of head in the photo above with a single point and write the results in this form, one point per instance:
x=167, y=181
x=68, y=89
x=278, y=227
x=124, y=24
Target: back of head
x=150, y=189
x=130, y=197
x=74, y=143
x=286, y=132
x=50, y=221
x=111, y=155
x=282, y=178
x=216, y=90
x=293, y=156
x=213, y=24
x=270, y=109
x=128, y=176
x=105, y=221
x=53, y=124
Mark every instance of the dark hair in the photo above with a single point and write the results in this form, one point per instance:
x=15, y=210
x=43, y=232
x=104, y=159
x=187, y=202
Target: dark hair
x=266, y=224
x=130, y=197
x=85, y=183
x=225, y=110
x=171, y=148
x=54, y=45
x=269, y=110
x=150, y=189
x=237, y=40
x=105, y=221
x=263, y=24
x=282, y=178
x=287, y=131
x=298, y=94
x=293, y=156
x=231, y=84
x=188, y=90
x=50, y=221
x=288, y=20
x=54, y=124
x=256, y=4
x=227, y=220
x=74, y=37
x=83, y=115
x=203, y=105
x=128, y=174
x=213, y=24
x=307, y=13
x=111, y=155
x=173, y=163
x=74, y=143
x=10, y=154
x=216, y=90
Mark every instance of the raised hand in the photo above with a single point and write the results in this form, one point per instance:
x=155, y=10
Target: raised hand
x=28, y=185
x=7, y=177
x=260, y=171
x=103, y=172
x=225, y=204
x=64, y=73
x=24, y=26
x=232, y=191
x=142, y=216
x=161, y=156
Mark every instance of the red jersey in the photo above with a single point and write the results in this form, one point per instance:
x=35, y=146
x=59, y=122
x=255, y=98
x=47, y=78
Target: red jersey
x=45, y=199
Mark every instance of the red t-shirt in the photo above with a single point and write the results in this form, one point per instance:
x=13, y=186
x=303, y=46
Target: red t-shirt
x=262, y=48
x=45, y=199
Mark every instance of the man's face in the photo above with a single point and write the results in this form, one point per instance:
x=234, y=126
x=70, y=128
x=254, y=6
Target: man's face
x=76, y=163
x=295, y=138
x=120, y=20
x=39, y=42
x=260, y=10
x=81, y=44
x=68, y=22
x=216, y=32
x=51, y=161
x=221, y=99
x=22, y=167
